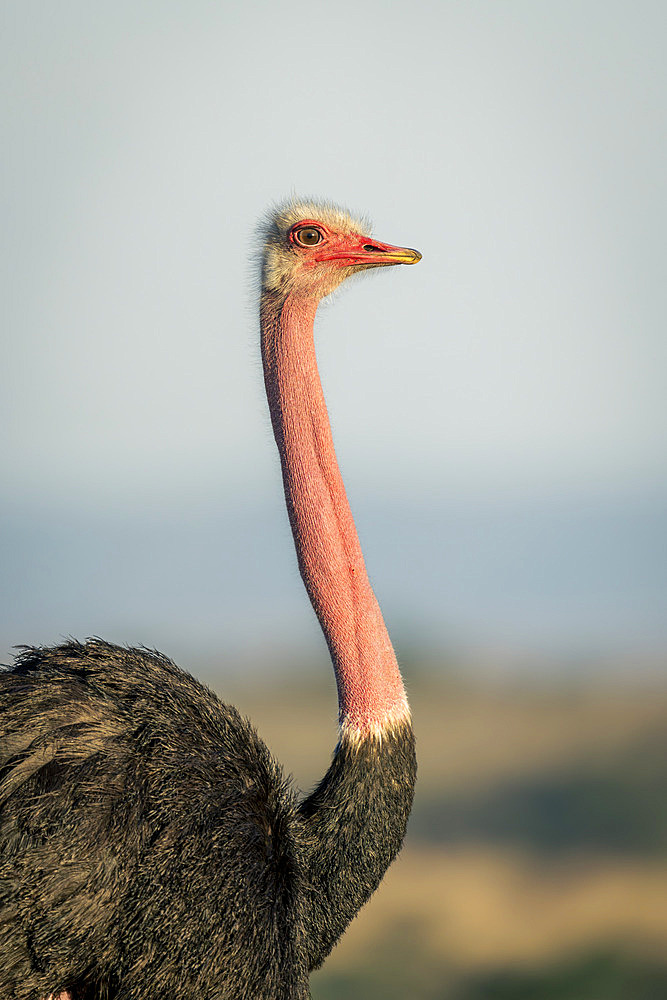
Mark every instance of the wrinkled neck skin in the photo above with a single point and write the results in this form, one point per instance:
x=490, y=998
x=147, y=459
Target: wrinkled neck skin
x=371, y=696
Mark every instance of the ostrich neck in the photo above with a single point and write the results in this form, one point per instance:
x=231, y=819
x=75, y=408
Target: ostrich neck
x=370, y=690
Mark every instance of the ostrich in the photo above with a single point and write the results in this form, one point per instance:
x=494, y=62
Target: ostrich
x=149, y=844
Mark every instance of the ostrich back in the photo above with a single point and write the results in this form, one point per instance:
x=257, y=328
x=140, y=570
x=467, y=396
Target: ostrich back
x=149, y=845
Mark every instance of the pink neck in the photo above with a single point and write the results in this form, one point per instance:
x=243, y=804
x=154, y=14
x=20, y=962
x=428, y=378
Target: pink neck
x=370, y=689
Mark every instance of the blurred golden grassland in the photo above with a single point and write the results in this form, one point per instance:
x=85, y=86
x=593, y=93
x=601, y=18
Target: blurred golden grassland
x=536, y=860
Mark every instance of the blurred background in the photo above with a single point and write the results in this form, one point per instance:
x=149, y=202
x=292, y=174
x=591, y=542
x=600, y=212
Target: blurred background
x=500, y=415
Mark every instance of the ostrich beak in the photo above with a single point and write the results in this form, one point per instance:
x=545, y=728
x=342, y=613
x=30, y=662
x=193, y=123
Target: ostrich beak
x=367, y=252
x=376, y=254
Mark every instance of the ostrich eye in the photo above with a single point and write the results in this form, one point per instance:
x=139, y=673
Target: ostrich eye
x=308, y=237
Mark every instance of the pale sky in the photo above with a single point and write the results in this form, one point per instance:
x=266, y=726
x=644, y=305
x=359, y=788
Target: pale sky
x=520, y=146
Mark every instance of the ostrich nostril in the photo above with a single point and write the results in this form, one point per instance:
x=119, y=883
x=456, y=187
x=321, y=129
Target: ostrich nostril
x=372, y=249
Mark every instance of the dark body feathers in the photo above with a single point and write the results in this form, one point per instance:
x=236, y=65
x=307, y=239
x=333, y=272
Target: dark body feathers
x=151, y=847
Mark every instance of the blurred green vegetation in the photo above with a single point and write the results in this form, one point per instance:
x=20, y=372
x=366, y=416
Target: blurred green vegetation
x=596, y=976
x=617, y=805
x=593, y=977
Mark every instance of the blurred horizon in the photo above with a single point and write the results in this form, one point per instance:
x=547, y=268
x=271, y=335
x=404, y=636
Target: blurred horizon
x=528, y=584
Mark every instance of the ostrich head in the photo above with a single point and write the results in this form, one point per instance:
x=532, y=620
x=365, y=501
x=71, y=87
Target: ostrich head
x=311, y=247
